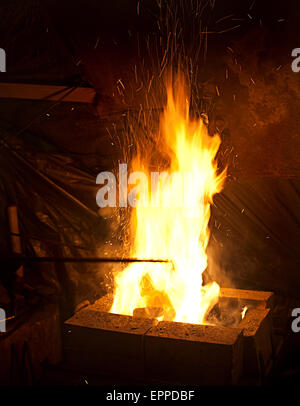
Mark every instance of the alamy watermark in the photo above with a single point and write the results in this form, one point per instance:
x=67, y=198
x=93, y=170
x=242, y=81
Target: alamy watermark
x=2, y=60
x=296, y=322
x=155, y=190
x=296, y=62
x=2, y=320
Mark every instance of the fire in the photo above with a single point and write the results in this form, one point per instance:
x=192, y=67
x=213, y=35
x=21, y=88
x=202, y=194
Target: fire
x=245, y=308
x=174, y=223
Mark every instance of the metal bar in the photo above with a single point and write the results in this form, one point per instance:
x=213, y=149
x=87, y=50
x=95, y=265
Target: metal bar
x=46, y=92
x=86, y=260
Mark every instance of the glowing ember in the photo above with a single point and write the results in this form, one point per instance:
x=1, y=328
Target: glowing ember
x=176, y=230
x=245, y=308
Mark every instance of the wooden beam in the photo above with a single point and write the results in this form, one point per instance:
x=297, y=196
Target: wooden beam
x=46, y=92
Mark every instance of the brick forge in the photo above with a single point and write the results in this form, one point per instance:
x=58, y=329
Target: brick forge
x=143, y=350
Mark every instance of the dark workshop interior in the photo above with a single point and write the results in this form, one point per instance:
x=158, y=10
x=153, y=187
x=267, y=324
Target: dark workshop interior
x=100, y=294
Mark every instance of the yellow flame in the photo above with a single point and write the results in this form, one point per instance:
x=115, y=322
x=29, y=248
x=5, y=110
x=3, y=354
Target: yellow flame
x=174, y=225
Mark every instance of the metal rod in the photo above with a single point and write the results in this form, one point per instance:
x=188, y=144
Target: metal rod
x=87, y=259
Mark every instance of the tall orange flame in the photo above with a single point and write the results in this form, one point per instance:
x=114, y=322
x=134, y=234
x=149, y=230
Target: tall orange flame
x=174, y=225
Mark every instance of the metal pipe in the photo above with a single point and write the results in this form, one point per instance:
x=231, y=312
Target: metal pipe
x=82, y=260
